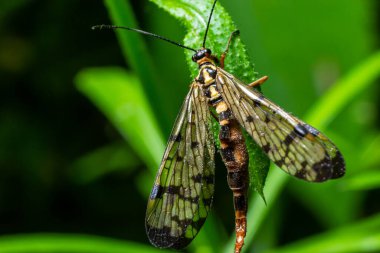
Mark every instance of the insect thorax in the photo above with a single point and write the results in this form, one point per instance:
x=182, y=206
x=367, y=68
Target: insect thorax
x=206, y=79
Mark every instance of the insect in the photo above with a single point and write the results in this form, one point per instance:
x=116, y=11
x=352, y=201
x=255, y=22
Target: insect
x=184, y=186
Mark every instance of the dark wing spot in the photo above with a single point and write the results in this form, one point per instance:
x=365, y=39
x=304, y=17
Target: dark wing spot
x=207, y=202
x=176, y=137
x=209, y=179
x=289, y=138
x=280, y=163
x=304, y=164
x=194, y=144
x=161, y=238
x=249, y=119
x=194, y=200
x=301, y=130
x=172, y=189
x=266, y=148
x=301, y=173
x=311, y=129
x=257, y=103
x=339, y=167
x=197, y=178
x=157, y=192
x=323, y=169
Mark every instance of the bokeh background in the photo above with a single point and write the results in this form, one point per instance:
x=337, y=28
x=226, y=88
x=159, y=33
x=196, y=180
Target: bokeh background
x=82, y=130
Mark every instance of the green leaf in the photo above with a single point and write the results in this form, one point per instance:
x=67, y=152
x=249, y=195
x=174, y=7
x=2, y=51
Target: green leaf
x=207, y=241
x=104, y=160
x=194, y=15
x=120, y=97
x=346, y=89
x=258, y=166
x=369, y=157
x=328, y=202
x=138, y=57
x=73, y=243
x=367, y=180
x=363, y=236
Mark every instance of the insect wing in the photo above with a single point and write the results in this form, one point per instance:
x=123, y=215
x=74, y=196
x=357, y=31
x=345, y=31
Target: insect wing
x=182, y=194
x=337, y=161
x=291, y=144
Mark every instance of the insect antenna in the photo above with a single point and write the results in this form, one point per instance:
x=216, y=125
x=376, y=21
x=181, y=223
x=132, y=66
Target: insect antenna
x=208, y=24
x=113, y=27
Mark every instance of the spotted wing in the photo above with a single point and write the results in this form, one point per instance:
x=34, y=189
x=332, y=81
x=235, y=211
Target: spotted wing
x=182, y=193
x=294, y=146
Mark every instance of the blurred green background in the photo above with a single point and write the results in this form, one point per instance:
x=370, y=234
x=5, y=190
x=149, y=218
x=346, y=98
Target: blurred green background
x=85, y=116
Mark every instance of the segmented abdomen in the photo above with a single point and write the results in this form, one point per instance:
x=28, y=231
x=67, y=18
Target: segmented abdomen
x=232, y=149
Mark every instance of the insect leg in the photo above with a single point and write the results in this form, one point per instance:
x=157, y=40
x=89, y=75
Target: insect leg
x=258, y=82
x=223, y=56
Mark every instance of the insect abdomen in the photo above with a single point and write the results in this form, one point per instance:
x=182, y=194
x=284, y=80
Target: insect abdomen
x=234, y=154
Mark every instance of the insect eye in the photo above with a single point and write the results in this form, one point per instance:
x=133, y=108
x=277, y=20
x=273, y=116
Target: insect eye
x=208, y=51
x=198, y=55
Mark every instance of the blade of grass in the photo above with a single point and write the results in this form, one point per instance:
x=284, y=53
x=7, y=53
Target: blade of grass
x=208, y=241
x=364, y=236
x=99, y=162
x=137, y=55
x=356, y=81
x=369, y=157
x=364, y=181
x=120, y=96
x=73, y=243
